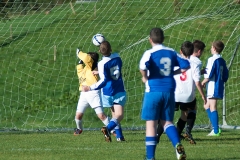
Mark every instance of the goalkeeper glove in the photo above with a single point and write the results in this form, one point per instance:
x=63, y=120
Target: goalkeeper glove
x=77, y=51
x=80, y=62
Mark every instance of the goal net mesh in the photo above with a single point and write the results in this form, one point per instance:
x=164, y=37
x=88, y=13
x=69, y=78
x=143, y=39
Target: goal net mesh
x=38, y=80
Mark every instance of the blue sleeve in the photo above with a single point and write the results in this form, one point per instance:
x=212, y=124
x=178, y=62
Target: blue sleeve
x=225, y=73
x=219, y=69
x=182, y=63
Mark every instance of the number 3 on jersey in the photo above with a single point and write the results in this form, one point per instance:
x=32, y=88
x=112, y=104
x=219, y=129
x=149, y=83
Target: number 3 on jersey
x=166, y=62
x=183, y=76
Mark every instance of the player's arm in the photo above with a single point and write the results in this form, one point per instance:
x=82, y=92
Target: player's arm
x=205, y=81
x=80, y=64
x=142, y=66
x=183, y=64
x=101, y=83
x=144, y=75
x=200, y=89
x=196, y=72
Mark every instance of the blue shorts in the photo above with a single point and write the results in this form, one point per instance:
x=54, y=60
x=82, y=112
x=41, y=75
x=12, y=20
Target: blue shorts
x=119, y=98
x=158, y=106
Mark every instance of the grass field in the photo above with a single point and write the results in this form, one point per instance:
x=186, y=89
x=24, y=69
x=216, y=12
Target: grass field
x=90, y=145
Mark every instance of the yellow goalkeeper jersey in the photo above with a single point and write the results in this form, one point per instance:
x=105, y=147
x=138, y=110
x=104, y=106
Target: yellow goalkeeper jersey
x=84, y=71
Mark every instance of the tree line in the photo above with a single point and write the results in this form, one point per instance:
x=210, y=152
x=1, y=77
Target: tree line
x=10, y=8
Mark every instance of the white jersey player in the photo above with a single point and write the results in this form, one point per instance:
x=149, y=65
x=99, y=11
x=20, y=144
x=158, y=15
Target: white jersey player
x=185, y=93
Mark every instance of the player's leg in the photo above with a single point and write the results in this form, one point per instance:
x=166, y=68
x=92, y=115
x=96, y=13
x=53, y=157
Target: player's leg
x=151, y=114
x=160, y=131
x=191, y=117
x=173, y=136
x=101, y=115
x=94, y=100
x=214, y=116
x=183, y=118
x=167, y=115
x=81, y=106
x=118, y=113
x=78, y=120
x=207, y=109
x=118, y=102
x=150, y=139
x=182, y=122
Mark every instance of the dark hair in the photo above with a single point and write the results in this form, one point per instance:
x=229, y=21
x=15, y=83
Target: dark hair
x=95, y=58
x=198, y=45
x=157, y=35
x=218, y=45
x=105, y=48
x=187, y=48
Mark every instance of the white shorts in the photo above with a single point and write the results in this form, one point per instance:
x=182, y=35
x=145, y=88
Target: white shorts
x=90, y=99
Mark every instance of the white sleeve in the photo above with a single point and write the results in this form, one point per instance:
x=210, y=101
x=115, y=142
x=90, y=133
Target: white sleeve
x=101, y=75
x=144, y=59
x=196, y=72
x=208, y=67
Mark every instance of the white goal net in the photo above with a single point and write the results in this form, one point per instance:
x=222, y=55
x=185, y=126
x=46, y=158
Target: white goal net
x=38, y=81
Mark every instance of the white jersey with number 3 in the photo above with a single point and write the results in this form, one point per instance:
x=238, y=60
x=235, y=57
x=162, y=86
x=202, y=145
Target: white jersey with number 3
x=185, y=82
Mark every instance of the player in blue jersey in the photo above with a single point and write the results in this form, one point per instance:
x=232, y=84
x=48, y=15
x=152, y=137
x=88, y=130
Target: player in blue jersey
x=157, y=69
x=214, y=79
x=113, y=92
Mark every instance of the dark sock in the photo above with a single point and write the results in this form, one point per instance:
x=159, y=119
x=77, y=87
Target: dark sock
x=180, y=125
x=190, y=121
x=160, y=131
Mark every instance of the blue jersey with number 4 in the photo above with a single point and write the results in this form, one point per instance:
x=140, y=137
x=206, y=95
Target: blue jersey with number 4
x=159, y=61
x=110, y=73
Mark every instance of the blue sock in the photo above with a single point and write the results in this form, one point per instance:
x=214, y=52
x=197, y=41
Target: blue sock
x=208, y=113
x=150, y=146
x=112, y=124
x=172, y=134
x=214, y=118
x=118, y=131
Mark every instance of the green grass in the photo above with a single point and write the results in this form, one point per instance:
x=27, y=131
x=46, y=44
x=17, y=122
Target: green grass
x=91, y=145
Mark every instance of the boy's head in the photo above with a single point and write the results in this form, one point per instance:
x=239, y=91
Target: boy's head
x=105, y=48
x=157, y=36
x=187, y=49
x=199, y=47
x=95, y=58
x=217, y=47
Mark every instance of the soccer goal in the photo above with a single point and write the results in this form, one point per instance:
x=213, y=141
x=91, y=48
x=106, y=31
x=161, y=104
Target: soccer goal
x=38, y=80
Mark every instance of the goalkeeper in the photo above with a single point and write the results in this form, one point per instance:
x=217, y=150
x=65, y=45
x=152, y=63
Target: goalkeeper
x=85, y=68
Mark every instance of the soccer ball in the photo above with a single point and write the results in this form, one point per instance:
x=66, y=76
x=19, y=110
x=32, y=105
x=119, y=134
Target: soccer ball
x=98, y=39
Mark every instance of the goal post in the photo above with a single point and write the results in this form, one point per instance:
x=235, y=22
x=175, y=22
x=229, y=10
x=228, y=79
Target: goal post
x=38, y=80
x=226, y=100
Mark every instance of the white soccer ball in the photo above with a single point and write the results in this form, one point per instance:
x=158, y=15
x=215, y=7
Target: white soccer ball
x=98, y=39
